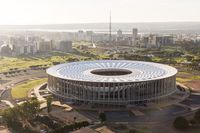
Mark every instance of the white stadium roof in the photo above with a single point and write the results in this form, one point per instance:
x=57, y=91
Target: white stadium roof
x=139, y=71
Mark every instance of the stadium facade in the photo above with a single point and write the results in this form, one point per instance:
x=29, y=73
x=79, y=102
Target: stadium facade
x=116, y=82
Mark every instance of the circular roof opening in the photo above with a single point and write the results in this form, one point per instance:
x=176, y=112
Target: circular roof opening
x=111, y=72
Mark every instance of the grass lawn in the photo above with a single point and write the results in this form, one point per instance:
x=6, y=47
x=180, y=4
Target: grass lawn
x=7, y=63
x=21, y=91
x=183, y=80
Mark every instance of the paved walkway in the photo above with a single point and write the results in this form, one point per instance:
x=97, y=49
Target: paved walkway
x=37, y=92
x=8, y=103
x=3, y=90
x=18, y=79
x=43, y=100
x=137, y=112
x=65, y=106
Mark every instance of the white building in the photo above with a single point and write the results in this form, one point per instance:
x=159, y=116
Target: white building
x=112, y=82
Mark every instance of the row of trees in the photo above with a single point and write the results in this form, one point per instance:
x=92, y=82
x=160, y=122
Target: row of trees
x=18, y=118
x=60, y=129
x=190, y=46
x=36, y=67
x=135, y=57
x=70, y=59
x=71, y=127
x=181, y=123
x=45, y=119
x=14, y=72
x=21, y=118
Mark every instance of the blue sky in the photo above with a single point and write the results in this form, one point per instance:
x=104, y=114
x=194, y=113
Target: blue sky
x=91, y=11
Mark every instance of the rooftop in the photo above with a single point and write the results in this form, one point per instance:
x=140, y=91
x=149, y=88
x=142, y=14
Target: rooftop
x=112, y=71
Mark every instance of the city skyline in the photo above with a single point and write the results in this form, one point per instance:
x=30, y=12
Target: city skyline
x=34, y=12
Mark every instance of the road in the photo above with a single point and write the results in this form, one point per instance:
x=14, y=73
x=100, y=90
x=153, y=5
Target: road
x=6, y=87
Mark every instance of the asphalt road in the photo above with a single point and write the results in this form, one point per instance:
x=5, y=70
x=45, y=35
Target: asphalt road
x=17, y=79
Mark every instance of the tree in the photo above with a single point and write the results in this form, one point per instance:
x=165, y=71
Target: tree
x=197, y=116
x=132, y=131
x=67, y=128
x=18, y=118
x=74, y=118
x=55, y=63
x=102, y=117
x=181, y=123
x=85, y=123
x=10, y=117
x=24, y=112
x=49, y=104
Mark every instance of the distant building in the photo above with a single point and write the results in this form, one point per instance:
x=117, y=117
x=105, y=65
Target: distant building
x=153, y=41
x=65, y=46
x=89, y=35
x=33, y=38
x=134, y=36
x=21, y=45
x=100, y=37
x=33, y=49
x=18, y=50
x=164, y=40
x=24, y=49
x=119, y=36
x=145, y=41
x=5, y=50
x=81, y=36
x=83, y=47
x=46, y=46
x=119, y=33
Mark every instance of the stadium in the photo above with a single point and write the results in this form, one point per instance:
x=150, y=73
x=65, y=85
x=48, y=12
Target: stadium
x=112, y=82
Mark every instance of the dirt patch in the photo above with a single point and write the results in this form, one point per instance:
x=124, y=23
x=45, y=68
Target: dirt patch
x=195, y=85
x=67, y=116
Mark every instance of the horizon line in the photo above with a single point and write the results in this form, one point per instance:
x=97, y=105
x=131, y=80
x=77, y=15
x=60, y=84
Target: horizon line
x=99, y=23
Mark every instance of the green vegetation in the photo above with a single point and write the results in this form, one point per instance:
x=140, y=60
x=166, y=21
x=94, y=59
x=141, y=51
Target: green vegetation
x=141, y=129
x=102, y=117
x=182, y=80
x=21, y=91
x=26, y=118
x=49, y=104
x=187, y=79
x=18, y=118
x=68, y=128
x=136, y=128
x=197, y=116
x=8, y=63
x=181, y=123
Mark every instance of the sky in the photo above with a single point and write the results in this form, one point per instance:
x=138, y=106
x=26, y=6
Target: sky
x=20, y=12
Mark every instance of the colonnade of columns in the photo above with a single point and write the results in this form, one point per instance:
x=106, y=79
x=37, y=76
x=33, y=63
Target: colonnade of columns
x=112, y=93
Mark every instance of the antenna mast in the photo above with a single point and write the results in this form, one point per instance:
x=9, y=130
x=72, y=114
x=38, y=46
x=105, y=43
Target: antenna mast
x=110, y=36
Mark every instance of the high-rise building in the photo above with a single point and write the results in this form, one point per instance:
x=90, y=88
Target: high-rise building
x=134, y=36
x=65, y=46
x=45, y=46
x=119, y=33
x=119, y=36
